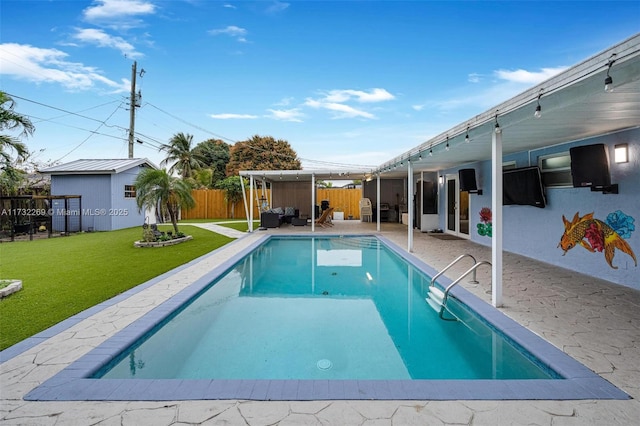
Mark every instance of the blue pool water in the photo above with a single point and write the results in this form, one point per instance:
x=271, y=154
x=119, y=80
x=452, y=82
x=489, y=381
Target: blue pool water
x=322, y=308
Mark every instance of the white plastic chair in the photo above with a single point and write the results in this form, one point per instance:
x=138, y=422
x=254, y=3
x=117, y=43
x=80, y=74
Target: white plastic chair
x=365, y=210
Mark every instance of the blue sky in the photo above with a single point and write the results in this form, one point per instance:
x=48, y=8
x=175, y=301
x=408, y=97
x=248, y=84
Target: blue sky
x=347, y=82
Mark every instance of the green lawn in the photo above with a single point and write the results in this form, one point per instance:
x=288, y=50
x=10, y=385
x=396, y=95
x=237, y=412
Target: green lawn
x=66, y=275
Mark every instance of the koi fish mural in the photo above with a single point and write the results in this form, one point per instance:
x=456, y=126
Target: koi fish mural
x=596, y=235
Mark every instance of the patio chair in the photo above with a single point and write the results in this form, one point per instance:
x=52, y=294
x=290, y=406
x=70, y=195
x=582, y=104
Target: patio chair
x=366, y=212
x=322, y=220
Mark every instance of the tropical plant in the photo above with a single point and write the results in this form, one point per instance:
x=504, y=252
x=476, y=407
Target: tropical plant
x=158, y=187
x=214, y=155
x=232, y=191
x=262, y=153
x=11, y=120
x=180, y=155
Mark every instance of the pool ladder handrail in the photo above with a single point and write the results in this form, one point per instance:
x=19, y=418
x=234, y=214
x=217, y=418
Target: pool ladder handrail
x=433, y=290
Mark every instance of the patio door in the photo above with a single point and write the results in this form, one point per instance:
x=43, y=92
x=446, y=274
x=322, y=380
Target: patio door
x=457, y=208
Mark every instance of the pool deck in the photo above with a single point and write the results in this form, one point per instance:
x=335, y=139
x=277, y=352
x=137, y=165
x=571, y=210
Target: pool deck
x=594, y=321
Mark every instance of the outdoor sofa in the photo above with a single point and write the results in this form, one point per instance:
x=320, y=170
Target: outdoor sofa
x=275, y=217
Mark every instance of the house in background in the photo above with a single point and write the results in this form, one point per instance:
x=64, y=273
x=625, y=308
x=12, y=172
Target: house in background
x=106, y=187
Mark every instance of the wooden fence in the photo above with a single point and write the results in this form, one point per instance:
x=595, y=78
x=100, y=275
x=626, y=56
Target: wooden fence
x=210, y=204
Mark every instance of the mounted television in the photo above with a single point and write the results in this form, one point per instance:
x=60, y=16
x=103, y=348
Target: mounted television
x=523, y=186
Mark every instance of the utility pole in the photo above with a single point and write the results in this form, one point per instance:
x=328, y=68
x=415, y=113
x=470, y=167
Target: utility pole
x=134, y=103
x=132, y=108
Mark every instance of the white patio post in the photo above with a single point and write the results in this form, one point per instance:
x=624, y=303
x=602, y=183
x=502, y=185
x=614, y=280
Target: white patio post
x=313, y=202
x=378, y=205
x=246, y=208
x=251, y=200
x=409, y=206
x=496, y=213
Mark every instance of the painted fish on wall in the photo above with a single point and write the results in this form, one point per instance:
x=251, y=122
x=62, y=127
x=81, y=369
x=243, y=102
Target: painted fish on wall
x=596, y=235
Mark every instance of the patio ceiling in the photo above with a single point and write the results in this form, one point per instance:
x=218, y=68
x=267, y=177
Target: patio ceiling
x=574, y=107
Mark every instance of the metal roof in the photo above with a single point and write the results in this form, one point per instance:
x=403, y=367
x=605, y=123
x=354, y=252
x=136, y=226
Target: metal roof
x=97, y=166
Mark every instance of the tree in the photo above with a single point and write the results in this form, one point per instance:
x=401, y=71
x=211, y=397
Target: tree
x=180, y=154
x=262, y=153
x=214, y=155
x=157, y=187
x=232, y=191
x=11, y=120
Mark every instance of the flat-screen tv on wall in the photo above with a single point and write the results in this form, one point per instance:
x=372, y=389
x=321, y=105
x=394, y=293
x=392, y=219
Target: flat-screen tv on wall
x=523, y=186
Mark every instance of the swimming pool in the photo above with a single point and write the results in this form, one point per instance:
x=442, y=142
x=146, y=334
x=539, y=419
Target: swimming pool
x=322, y=308
x=333, y=295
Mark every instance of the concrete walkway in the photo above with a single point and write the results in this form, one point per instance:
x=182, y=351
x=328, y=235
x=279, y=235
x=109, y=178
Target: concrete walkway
x=218, y=229
x=596, y=322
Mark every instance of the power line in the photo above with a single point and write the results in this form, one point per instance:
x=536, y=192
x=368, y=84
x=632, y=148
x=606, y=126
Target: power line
x=68, y=112
x=87, y=109
x=190, y=124
x=74, y=127
x=90, y=135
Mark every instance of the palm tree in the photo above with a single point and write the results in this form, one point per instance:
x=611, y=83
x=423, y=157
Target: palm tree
x=179, y=153
x=157, y=187
x=10, y=120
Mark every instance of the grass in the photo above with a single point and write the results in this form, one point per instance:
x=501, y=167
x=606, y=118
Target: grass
x=66, y=275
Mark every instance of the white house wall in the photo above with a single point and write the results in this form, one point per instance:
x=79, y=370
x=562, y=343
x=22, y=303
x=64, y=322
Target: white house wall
x=535, y=232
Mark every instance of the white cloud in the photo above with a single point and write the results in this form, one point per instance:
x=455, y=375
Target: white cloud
x=529, y=77
x=102, y=39
x=374, y=95
x=277, y=7
x=339, y=110
x=284, y=101
x=110, y=9
x=229, y=6
x=232, y=31
x=336, y=102
x=474, y=78
x=38, y=65
x=286, y=115
x=417, y=107
x=229, y=116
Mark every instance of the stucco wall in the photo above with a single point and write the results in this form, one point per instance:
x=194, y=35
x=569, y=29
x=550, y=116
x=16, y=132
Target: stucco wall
x=536, y=232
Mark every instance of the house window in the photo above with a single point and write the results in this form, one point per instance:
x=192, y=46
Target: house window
x=129, y=191
x=508, y=165
x=556, y=170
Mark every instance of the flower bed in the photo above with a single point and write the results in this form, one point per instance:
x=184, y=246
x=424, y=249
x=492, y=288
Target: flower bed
x=14, y=285
x=170, y=242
